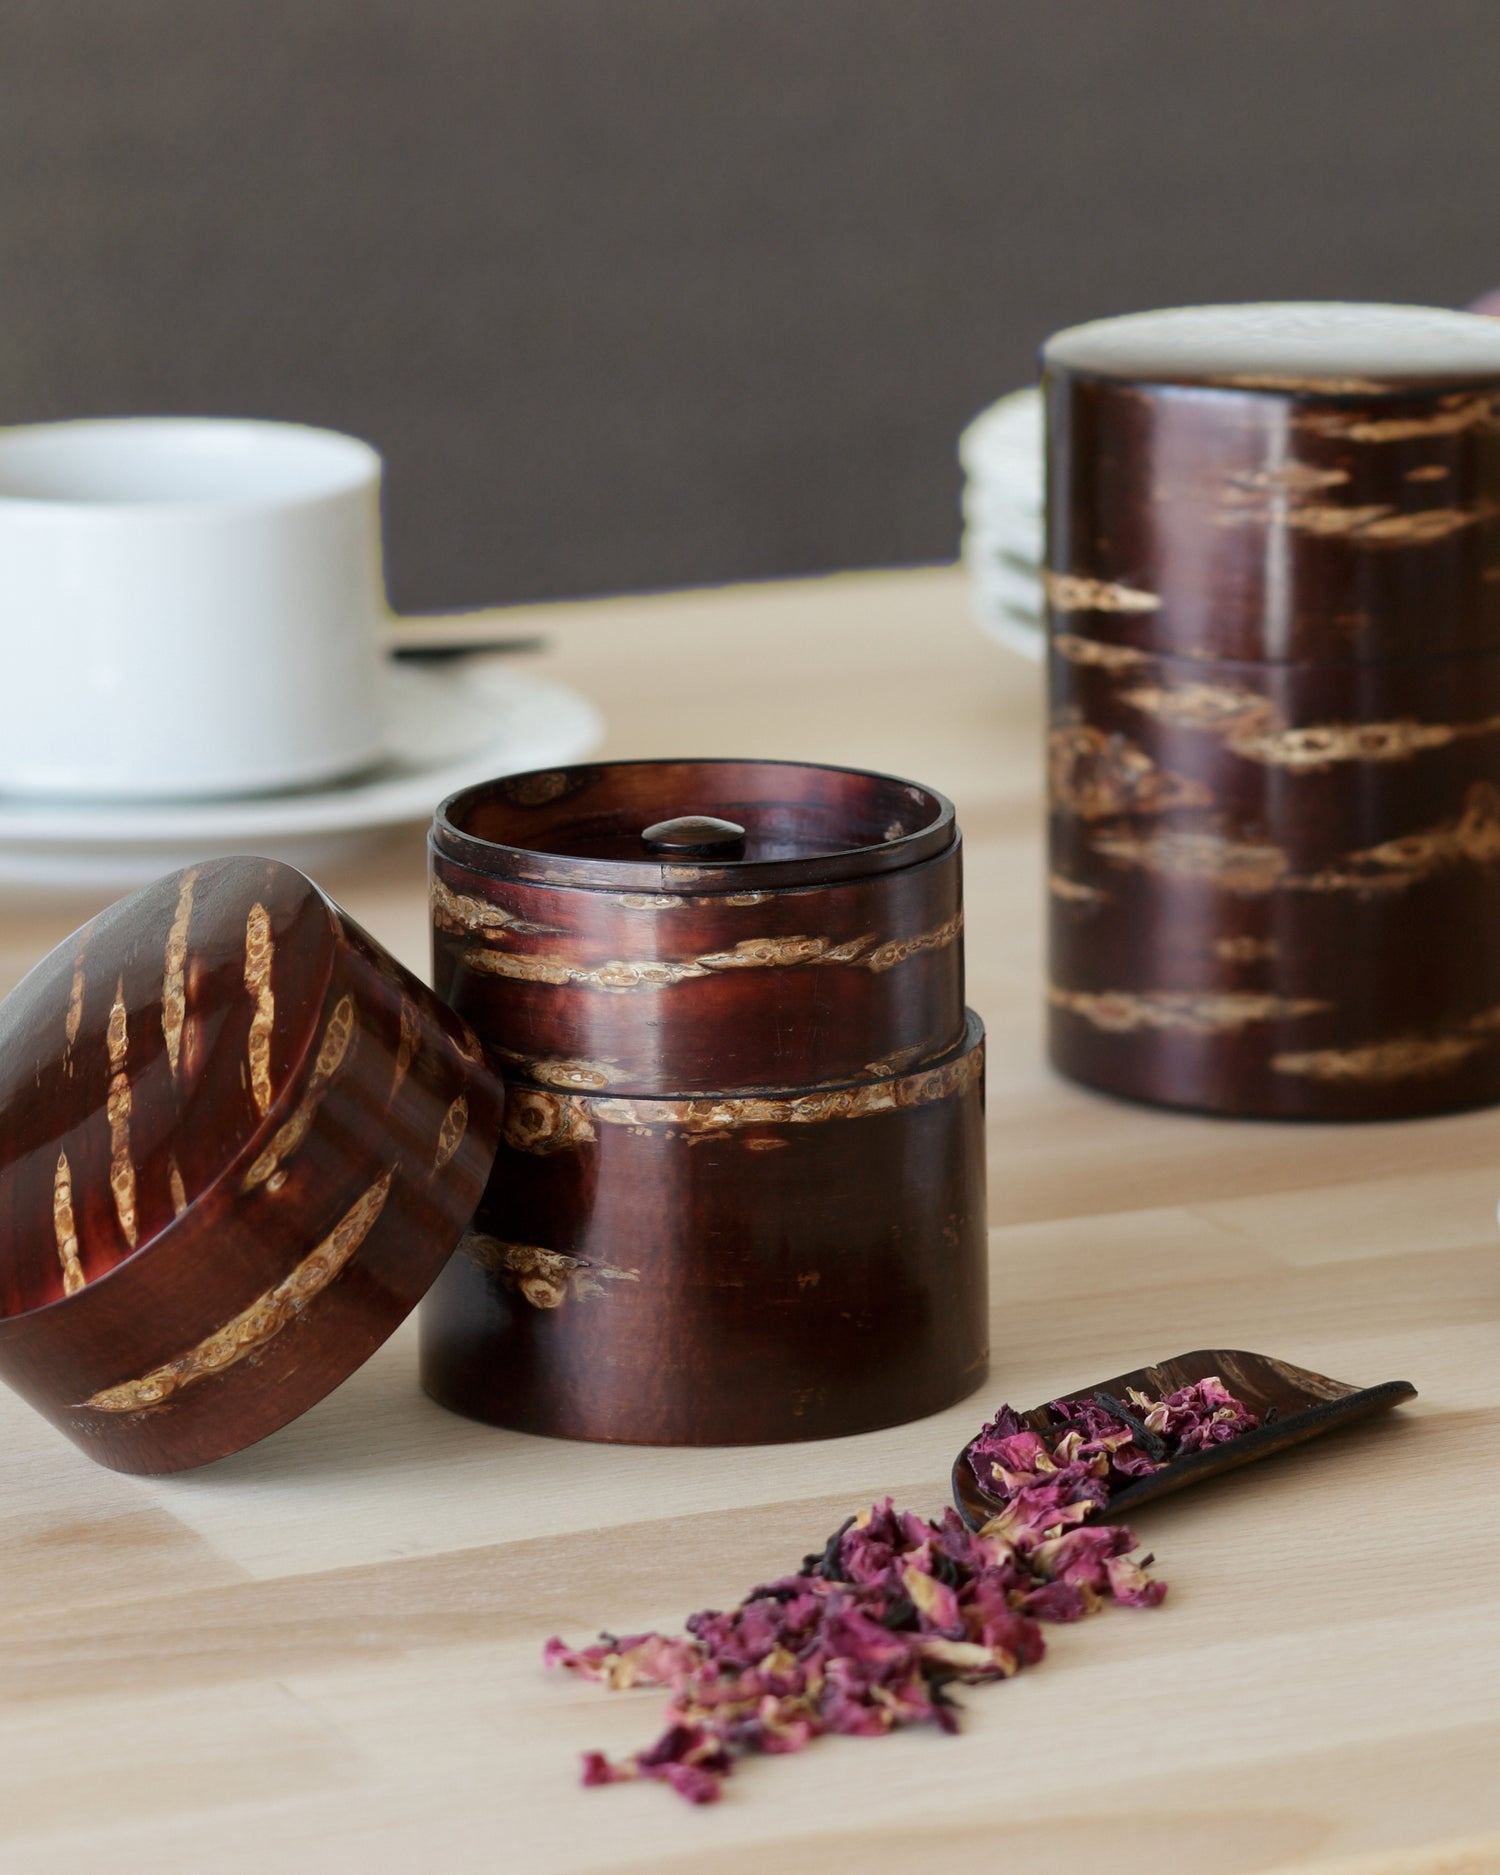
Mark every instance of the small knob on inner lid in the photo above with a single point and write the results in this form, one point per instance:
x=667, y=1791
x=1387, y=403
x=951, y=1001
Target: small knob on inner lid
x=696, y=836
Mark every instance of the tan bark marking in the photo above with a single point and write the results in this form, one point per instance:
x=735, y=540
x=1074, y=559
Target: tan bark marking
x=65, y=1227
x=867, y=952
x=1290, y=480
x=179, y=1191
x=265, y=1318
x=1098, y=776
x=1245, y=950
x=1089, y=651
x=451, y=1132
x=1293, y=495
x=406, y=1046
x=1072, y=893
x=291, y=1136
x=1073, y=592
x=1188, y=1012
x=616, y=976
x=259, y=955
x=1316, y=518
x=1412, y=1057
x=1320, y=745
x=74, y=1017
x=1431, y=472
x=697, y=1118
x=570, y=1075
x=1291, y=498
x=1454, y=414
x=670, y=901
x=1474, y=837
x=590, y=1077
x=785, y=953
x=541, y=1123
x=458, y=912
x=1216, y=707
x=1426, y=524
x=546, y=1278
x=1279, y=381
x=1251, y=727
x=174, y=974
x=897, y=950
x=1236, y=866
x=117, y=1031
x=117, y=1112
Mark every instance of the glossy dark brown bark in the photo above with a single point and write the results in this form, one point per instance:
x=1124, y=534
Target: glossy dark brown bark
x=1275, y=739
x=724, y=1272
x=741, y=1194
x=583, y=826
x=236, y=1144
x=1203, y=519
x=1238, y=926
x=809, y=979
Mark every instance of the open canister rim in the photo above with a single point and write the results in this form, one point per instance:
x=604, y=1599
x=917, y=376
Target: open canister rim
x=931, y=829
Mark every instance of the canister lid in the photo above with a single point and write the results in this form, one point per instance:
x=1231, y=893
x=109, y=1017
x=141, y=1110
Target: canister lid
x=621, y=825
x=237, y=1143
x=1317, y=348
x=1304, y=482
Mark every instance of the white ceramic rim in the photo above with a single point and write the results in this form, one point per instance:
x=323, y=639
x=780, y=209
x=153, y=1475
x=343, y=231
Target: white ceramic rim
x=291, y=465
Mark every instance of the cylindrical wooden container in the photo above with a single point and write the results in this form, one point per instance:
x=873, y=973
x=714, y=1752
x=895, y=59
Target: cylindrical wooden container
x=1274, y=605
x=740, y=1193
x=237, y=1142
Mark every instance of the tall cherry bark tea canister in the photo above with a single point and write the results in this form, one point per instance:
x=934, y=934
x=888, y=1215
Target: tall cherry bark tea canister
x=237, y=1142
x=739, y=1195
x=1274, y=604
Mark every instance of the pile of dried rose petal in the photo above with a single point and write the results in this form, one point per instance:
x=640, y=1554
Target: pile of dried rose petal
x=868, y=1635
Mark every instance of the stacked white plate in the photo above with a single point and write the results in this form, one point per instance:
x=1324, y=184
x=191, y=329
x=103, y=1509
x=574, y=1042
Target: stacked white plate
x=1002, y=453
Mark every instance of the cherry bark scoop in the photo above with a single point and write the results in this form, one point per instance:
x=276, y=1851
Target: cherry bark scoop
x=239, y=1141
x=1274, y=601
x=740, y=1190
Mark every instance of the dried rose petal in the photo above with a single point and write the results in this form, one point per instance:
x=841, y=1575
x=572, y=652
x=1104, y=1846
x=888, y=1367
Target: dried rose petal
x=868, y=1634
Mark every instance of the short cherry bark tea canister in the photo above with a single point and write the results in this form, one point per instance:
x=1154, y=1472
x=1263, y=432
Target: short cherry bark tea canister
x=739, y=1196
x=237, y=1142
x=1274, y=608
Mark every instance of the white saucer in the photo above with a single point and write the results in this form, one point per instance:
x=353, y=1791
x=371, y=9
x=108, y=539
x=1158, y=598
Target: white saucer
x=446, y=727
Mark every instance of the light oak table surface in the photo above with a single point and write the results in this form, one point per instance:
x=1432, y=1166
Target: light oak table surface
x=325, y=1653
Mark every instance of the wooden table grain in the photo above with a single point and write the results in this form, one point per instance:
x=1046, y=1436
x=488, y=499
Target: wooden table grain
x=324, y=1653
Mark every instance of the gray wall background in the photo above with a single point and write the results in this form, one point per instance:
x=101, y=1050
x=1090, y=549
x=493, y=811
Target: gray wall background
x=636, y=293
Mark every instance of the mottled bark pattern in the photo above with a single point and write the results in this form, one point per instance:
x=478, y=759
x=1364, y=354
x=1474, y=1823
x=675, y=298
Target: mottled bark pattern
x=783, y=974
x=1275, y=790
x=784, y=1280
x=212, y=1208
x=740, y=1196
x=1212, y=522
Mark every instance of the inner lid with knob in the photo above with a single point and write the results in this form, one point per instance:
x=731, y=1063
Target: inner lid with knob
x=739, y=824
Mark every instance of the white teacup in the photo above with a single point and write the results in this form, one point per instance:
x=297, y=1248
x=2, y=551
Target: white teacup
x=189, y=606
